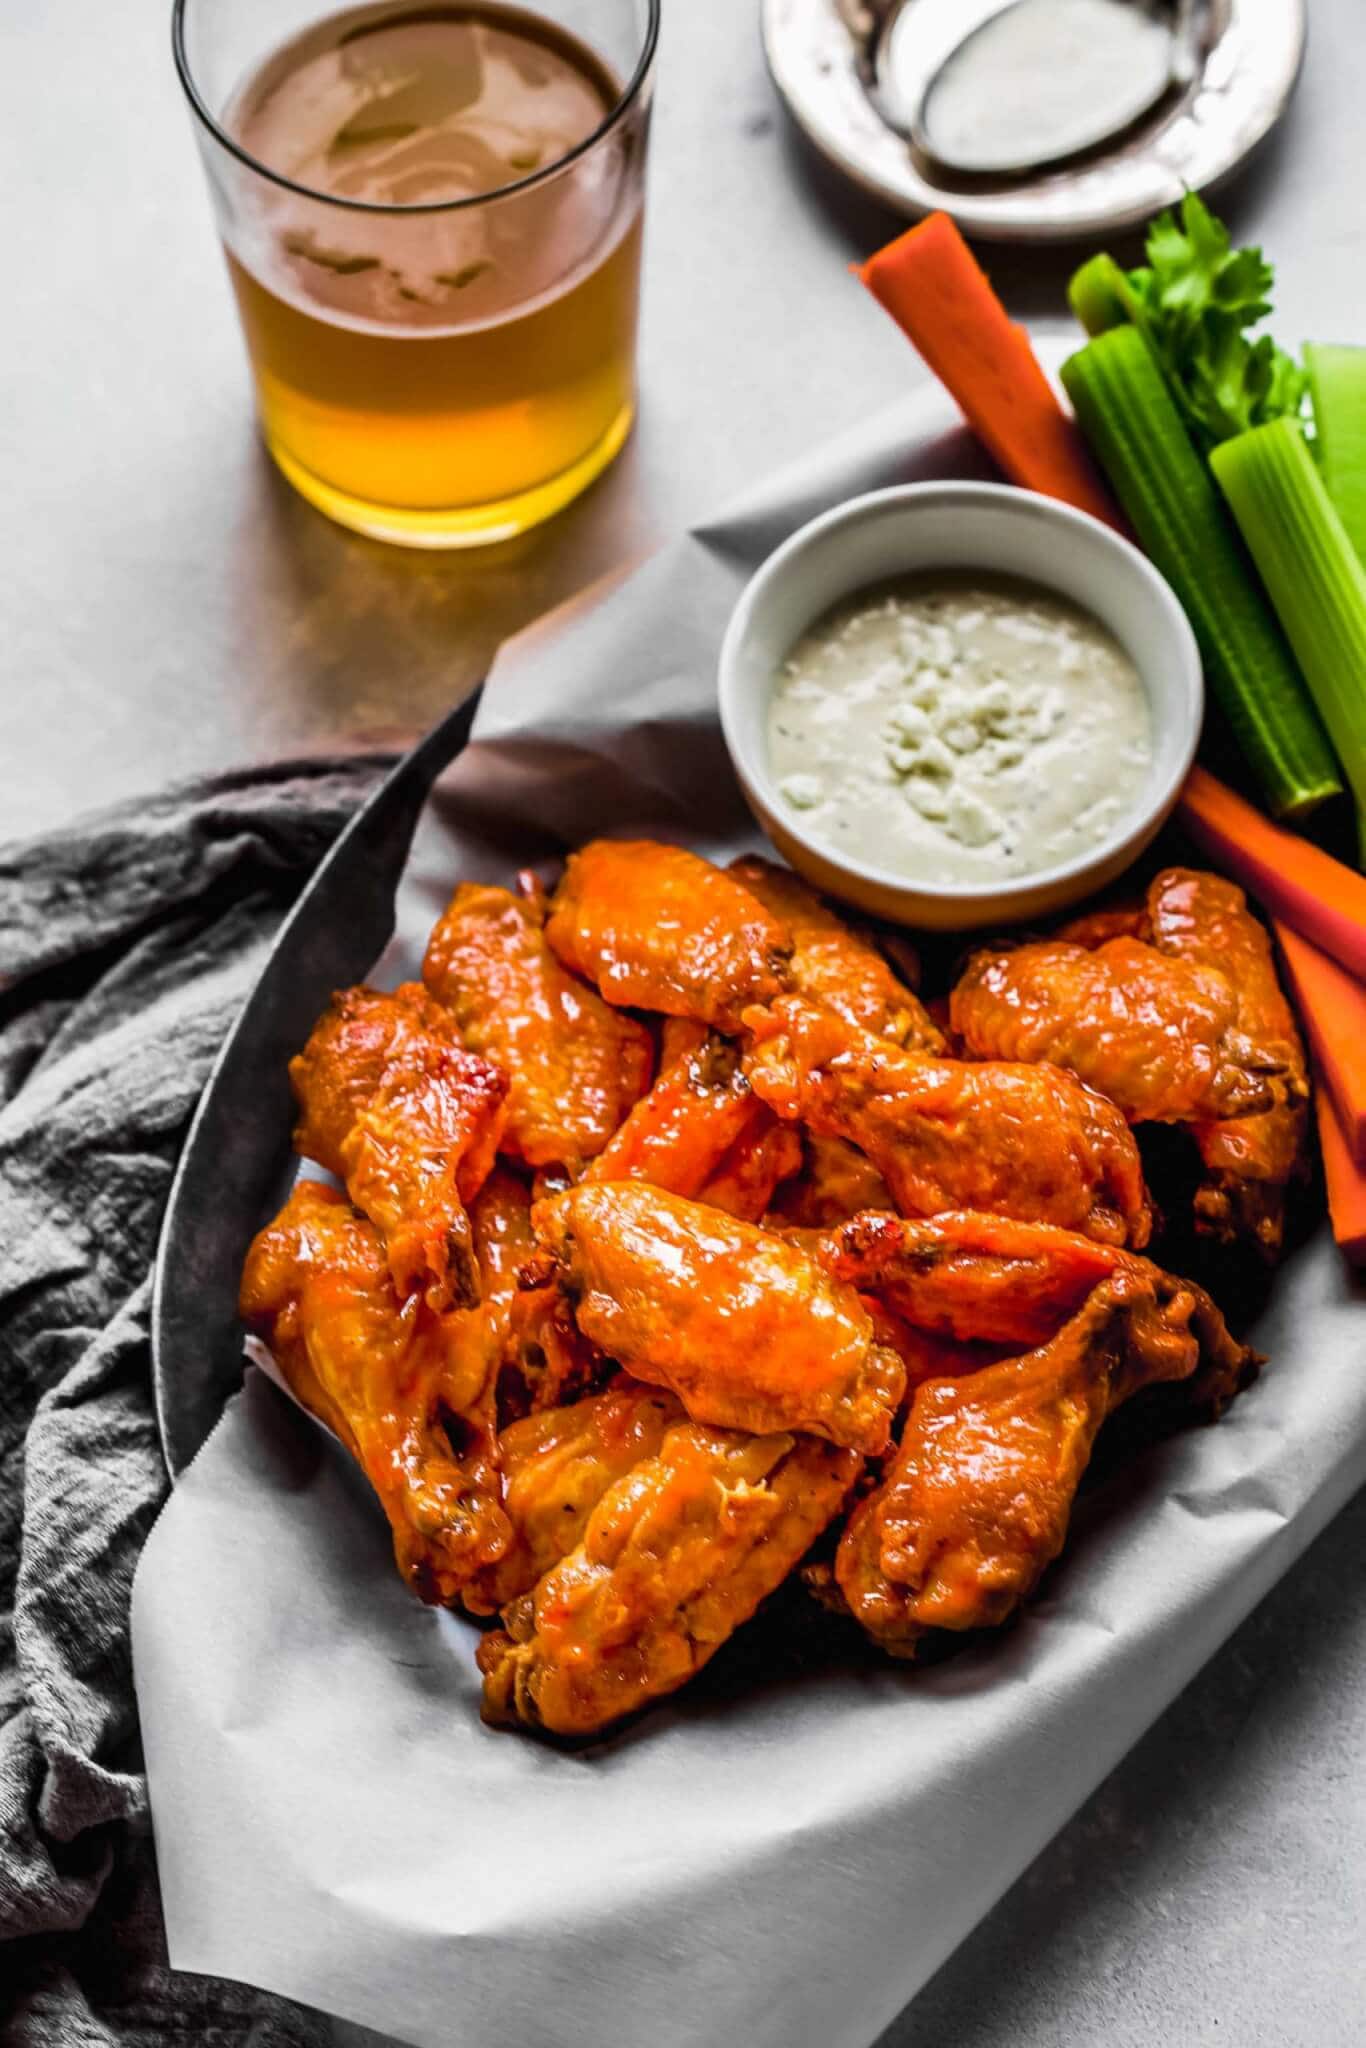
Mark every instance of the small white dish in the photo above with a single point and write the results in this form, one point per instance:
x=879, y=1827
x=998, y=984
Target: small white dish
x=994, y=529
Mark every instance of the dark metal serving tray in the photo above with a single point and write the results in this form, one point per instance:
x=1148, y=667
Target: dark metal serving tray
x=238, y=1145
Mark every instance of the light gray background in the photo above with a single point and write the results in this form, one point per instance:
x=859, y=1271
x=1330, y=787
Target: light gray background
x=169, y=606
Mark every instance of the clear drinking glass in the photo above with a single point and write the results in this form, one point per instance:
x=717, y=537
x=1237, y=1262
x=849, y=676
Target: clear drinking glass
x=432, y=221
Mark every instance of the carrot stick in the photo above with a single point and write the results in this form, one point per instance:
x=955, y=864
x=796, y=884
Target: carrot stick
x=1333, y=1008
x=1346, y=1184
x=1310, y=891
x=936, y=291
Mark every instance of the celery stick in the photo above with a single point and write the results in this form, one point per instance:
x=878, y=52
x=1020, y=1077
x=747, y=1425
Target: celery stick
x=1101, y=296
x=1314, y=574
x=1131, y=421
x=1337, y=386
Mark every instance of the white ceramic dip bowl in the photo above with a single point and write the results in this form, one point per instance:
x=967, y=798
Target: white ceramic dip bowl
x=994, y=530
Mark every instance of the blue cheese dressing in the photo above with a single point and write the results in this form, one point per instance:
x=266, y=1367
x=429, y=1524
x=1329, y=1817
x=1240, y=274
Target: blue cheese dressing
x=958, y=727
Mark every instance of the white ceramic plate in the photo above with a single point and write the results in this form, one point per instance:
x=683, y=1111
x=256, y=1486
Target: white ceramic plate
x=1252, y=55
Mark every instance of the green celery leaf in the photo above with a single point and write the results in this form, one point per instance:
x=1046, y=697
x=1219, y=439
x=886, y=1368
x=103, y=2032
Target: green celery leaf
x=1198, y=299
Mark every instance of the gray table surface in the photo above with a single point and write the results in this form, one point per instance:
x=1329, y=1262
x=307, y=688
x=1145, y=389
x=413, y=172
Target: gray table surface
x=170, y=606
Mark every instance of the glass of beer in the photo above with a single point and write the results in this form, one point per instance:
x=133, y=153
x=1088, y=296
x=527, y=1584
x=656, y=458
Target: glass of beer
x=432, y=221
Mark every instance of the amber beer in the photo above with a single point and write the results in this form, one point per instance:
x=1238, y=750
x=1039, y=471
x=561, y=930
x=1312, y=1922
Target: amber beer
x=438, y=284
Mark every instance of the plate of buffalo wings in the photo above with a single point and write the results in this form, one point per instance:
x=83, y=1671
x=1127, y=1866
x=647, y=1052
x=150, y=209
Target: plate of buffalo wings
x=678, y=1249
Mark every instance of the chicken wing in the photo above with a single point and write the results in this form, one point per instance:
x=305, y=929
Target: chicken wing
x=762, y=1157
x=1161, y=1036
x=700, y=1105
x=1015, y=1140
x=1249, y=1166
x=743, y=1325
x=1204, y=920
x=394, y=1105
x=400, y=1385
x=836, y=1182
x=980, y=1494
x=1250, y=1162
x=700, y=1132
x=543, y=1359
x=547, y=1360
x=833, y=964
x=674, y=1557
x=575, y=1066
x=500, y=1218
x=973, y=1276
x=556, y=1466
x=661, y=928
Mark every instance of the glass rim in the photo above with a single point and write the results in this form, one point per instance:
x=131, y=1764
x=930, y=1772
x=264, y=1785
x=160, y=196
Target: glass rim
x=630, y=93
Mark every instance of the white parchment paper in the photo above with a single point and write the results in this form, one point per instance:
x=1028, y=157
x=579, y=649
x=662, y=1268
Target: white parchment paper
x=783, y=1867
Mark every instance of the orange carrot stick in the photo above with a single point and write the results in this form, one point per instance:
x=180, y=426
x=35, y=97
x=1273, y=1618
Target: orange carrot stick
x=1346, y=1184
x=936, y=291
x=1333, y=1009
x=1310, y=891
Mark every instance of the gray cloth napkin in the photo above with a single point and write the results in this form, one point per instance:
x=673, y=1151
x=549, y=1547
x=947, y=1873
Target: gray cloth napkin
x=126, y=944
